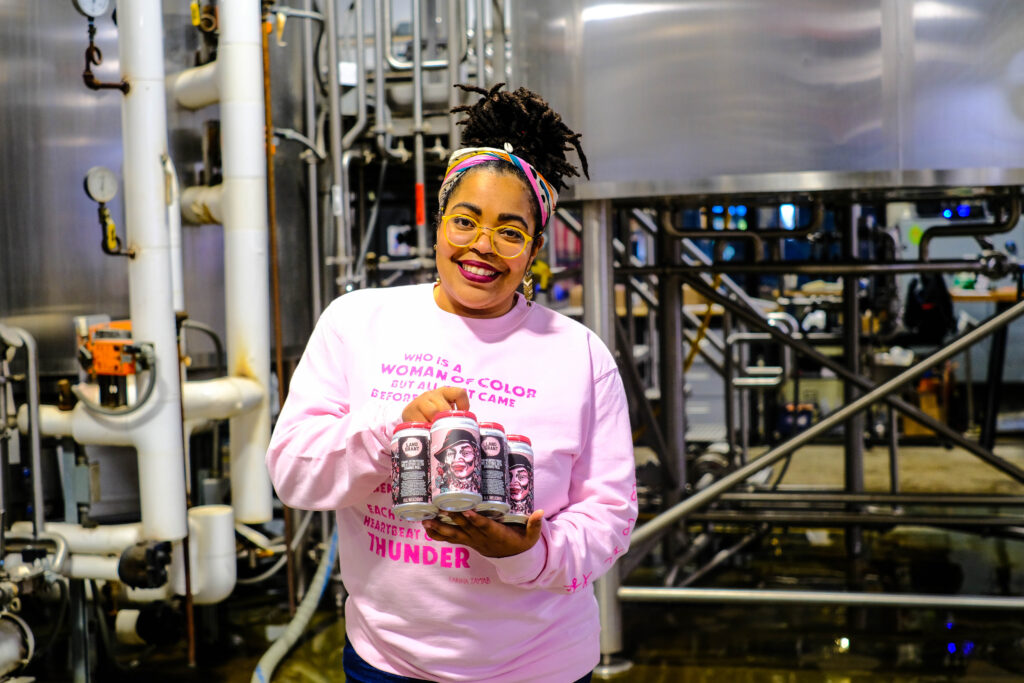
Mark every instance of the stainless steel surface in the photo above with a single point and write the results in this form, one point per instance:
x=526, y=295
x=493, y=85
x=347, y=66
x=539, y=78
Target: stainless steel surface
x=339, y=178
x=705, y=496
x=598, y=315
x=357, y=128
x=690, y=97
x=642, y=594
x=54, y=129
x=419, y=163
x=312, y=191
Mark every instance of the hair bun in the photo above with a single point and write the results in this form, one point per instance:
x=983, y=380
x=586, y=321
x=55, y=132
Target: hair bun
x=523, y=120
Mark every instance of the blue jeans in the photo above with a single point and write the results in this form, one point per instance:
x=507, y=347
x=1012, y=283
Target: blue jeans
x=358, y=671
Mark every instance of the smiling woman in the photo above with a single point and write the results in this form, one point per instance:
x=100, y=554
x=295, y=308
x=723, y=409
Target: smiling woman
x=428, y=608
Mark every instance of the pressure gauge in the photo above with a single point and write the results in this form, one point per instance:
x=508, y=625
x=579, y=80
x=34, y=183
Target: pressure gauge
x=92, y=8
x=100, y=184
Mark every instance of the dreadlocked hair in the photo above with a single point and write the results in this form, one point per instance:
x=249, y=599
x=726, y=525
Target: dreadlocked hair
x=524, y=120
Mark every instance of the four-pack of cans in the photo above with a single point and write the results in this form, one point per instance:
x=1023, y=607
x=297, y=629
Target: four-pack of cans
x=456, y=463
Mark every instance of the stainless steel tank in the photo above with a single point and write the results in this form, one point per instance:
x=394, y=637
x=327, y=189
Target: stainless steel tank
x=695, y=96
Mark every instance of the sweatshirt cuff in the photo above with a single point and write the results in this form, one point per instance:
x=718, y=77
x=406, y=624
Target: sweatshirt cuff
x=524, y=567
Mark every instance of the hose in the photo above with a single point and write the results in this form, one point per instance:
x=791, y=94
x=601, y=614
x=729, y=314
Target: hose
x=148, y=363
x=273, y=656
x=299, y=534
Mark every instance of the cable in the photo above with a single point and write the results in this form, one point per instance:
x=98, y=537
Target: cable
x=222, y=366
x=148, y=363
x=299, y=533
x=273, y=656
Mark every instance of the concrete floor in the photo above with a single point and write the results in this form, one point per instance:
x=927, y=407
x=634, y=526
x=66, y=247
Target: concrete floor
x=753, y=643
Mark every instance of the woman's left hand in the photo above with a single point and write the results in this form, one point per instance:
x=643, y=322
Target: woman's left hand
x=484, y=535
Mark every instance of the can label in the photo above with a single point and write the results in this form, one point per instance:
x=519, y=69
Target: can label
x=410, y=474
x=493, y=472
x=455, y=446
x=411, y=483
x=520, y=482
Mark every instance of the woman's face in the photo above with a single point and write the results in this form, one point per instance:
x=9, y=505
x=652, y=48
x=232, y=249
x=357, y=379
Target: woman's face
x=476, y=282
x=461, y=458
x=519, y=483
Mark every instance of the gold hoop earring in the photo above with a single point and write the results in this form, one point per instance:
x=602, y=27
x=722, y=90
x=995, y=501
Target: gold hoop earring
x=528, y=285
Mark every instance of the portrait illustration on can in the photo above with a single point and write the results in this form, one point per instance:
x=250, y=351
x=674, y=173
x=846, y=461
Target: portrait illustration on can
x=458, y=458
x=520, y=484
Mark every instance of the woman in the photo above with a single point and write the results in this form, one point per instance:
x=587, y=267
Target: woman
x=474, y=600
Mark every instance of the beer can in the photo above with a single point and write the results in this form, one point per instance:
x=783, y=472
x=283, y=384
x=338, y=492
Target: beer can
x=455, y=446
x=493, y=471
x=520, y=479
x=410, y=472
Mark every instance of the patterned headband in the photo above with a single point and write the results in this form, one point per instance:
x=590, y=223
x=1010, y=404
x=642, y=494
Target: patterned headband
x=463, y=159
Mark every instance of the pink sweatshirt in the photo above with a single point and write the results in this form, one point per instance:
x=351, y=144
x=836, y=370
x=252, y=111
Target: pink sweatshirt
x=429, y=609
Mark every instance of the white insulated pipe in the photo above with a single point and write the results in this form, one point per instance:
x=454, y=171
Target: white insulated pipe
x=144, y=138
x=201, y=204
x=246, y=261
x=106, y=539
x=174, y=234
x=211, y=399
x=196, y=88
x=212, y=553
x=93, y=567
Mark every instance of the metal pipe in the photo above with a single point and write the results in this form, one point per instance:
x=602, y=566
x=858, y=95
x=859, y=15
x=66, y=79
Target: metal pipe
x=702, y=498
x=297, y=13
x=780, y=597
x=481, y=45
x=419, y=163
x=671, y=378
x=821, y=268
x=599, y=315
x=853, y=430
x=916, y=413
x=15, y=334
x=840, y=497
x=826, y=519
x=353, y=133
x=394, y=62
x=971, y=229
x=312, y=180
x=379, y=85
x=455, y=38
x=723, y=556
x=339, y=181
x=695, y=252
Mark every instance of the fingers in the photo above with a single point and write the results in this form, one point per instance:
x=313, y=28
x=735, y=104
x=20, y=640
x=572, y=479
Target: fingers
x=424, y=407
x=533, y=525
x=457, y=396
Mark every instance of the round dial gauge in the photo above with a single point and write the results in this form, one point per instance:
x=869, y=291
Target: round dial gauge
x=92, y=8
x=100, y=184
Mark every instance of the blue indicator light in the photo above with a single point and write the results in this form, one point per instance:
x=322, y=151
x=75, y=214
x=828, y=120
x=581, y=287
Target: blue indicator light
x=947, y=213
x=951, y=648
x=949, y=625
x=968, y=647
x=717, y=209
x=963, y=211
x=729, y=252
x=741, y=210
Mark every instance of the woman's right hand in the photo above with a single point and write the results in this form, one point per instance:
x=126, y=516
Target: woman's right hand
x=424, y=407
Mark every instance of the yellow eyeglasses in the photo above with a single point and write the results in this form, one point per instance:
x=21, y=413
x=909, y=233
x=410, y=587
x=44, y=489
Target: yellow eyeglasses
x=507, y=241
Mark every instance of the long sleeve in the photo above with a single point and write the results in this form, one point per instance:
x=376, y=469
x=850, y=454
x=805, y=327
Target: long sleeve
x=324, y=454
x=582, y=541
